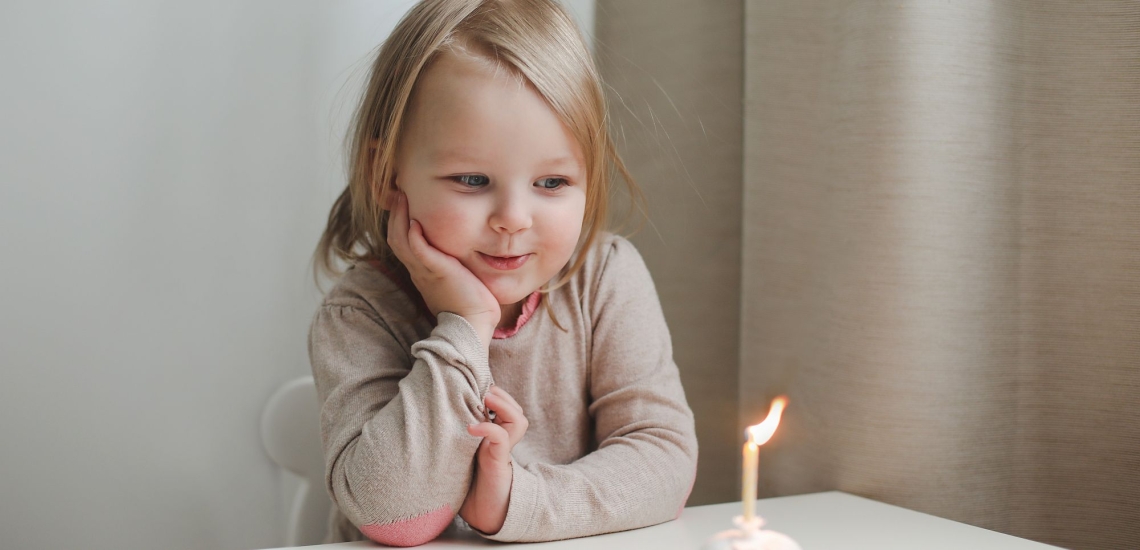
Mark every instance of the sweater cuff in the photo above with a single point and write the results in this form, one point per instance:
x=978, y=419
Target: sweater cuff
x=466, y=341
x=520, y=508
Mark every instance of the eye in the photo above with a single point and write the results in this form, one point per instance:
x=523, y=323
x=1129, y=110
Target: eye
x=472, y=180
x=552, y=183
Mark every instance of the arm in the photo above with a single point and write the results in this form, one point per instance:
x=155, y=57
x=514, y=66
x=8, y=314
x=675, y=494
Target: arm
x=645, y=464
x=394, y=427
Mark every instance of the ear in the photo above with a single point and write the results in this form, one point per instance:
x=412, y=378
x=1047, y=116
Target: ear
x=390, y=194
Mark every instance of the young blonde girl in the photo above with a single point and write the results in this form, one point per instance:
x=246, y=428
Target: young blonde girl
x=480, y=172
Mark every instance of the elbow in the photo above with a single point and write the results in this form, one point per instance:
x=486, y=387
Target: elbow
x=378, y=512
x=692, y=481
x=410, y=532
x=685, y=498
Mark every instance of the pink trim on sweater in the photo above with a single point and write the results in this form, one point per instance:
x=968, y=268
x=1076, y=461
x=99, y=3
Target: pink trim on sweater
x=528, y=309
x=411, y=532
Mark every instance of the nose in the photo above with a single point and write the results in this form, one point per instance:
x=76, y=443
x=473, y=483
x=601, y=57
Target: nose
x=511, y=213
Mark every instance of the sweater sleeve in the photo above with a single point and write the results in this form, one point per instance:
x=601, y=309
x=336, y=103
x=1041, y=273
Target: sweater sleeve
x=398, y=458
x=645, y=463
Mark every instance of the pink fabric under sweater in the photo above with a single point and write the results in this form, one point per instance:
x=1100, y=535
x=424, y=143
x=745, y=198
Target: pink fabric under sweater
x=411, y=532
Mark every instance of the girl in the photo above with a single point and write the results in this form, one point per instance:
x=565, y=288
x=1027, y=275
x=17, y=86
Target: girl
x=479, y=179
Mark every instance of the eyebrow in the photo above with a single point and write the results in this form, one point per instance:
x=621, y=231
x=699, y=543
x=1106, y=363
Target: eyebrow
x=569, y=162
x=460, y=156
x=449, y=156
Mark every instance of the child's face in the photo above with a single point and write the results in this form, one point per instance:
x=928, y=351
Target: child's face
x=489, y=170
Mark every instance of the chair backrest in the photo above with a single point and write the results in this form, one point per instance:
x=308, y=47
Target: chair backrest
x=290, y=431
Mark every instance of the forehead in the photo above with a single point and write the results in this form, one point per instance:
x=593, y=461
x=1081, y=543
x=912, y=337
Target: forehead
x=466, y=106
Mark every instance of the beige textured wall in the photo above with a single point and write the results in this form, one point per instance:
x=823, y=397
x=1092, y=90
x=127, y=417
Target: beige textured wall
x=674, y=68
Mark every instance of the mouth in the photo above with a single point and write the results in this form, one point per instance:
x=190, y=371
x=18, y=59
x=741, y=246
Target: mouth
x=505, y=263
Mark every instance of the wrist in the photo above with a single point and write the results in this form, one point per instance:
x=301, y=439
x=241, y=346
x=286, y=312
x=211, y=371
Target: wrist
x=492, y=491
x=496, y=473
x=483, y=327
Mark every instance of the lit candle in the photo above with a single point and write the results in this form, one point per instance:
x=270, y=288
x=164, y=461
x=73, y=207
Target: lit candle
x=758, y=435
x=751, y=467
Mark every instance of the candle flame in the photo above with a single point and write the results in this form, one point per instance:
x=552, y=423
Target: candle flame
x=762, y=432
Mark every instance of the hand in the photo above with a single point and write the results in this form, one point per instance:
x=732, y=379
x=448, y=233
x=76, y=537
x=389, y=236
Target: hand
x=444, y=283
x=485, y=507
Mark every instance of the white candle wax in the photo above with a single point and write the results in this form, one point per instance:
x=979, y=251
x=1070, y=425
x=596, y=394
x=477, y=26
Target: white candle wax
x=748, y=486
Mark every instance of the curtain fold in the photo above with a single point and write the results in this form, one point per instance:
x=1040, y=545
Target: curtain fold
x=939, y=246
x=941, y=249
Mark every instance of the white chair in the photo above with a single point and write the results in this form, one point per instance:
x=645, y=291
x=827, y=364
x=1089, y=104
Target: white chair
x=290, y=431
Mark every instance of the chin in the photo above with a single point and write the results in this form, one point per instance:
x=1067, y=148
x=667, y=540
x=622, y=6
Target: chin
x=509, y=292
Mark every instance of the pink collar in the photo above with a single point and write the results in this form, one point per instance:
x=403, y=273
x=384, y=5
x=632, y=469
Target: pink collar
x=528, y=309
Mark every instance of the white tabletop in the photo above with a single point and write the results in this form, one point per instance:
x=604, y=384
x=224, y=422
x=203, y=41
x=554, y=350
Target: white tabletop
x=816, y=521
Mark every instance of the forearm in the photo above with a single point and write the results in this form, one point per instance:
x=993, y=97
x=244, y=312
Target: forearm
x=407, y=460
x=634, y=481
x=401, y=468
x=485, y=508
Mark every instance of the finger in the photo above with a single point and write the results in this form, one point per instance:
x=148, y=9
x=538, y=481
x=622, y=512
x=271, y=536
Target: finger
x=425, y=253
x=505, y=410
x=516, y=435
x=509, y=416
x=496, y=441
x=408, y=241
x=503, y=393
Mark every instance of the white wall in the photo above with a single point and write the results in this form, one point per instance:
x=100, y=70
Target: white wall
x=165, y=170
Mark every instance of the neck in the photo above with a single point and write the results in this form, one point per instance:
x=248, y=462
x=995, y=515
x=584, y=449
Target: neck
x=510, y=315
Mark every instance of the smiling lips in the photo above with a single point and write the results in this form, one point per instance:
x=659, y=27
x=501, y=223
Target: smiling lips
x=505, y=263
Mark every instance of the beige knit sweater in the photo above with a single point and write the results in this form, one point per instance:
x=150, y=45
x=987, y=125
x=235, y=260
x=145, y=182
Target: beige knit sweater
x=611, y=443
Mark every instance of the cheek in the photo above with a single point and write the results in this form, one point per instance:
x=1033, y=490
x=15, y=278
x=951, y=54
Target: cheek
x=445, y=227
x=564, y=227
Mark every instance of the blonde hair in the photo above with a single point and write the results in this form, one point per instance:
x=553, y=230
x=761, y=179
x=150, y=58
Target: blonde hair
x=536, y=39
